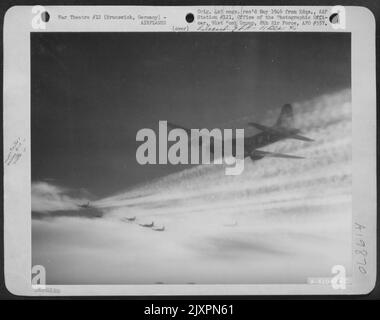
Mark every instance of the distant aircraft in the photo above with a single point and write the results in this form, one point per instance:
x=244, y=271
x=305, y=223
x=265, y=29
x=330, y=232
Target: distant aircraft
x=85, y=205
x=147, y=225
x=159, y=228
x=129, y=219
x=283, y=129
x=233, y=224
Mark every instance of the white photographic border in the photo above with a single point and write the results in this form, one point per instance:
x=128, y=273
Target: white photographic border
x=18, y=25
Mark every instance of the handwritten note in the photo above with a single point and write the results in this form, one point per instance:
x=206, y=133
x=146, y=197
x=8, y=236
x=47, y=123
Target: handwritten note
x=260, y=19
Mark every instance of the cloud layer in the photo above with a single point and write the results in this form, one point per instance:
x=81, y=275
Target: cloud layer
x=280, y=221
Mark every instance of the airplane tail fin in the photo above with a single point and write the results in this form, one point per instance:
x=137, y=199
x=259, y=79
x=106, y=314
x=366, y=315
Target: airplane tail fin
x=284, y=126
x=286, y=120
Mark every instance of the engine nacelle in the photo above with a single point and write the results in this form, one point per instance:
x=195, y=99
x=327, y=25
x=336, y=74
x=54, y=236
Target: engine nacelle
x=256, y=155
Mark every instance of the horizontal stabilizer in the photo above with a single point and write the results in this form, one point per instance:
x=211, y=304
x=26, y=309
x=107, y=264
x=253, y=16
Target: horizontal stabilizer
x=175, y=126
x=191, y=139
x=275, y=155
x=289, y=134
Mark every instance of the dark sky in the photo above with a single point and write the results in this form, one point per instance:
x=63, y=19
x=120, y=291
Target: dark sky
x=91, y=92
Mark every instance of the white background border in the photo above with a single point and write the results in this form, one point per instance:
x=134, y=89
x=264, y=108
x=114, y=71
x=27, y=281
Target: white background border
x=360, y=22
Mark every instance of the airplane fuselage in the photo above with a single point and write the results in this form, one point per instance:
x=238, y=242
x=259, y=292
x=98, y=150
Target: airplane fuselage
x=257, y=141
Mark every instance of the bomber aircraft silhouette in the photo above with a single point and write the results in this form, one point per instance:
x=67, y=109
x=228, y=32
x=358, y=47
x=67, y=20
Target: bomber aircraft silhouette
x=85, y=205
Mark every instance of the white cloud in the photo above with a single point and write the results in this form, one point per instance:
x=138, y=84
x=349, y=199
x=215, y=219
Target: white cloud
x=293, y=217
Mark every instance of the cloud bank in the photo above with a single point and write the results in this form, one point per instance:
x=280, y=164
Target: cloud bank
x=47, y=197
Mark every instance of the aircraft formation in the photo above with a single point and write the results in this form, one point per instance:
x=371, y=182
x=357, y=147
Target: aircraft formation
x=144, y=225
x=282, y=129
x=128, y=219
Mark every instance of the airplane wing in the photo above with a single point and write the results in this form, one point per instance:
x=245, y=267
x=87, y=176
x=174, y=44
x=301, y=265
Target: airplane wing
x=264, y=128
x=275, y=155
x=188, y=131
x=299, y=137
x=284, y=133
